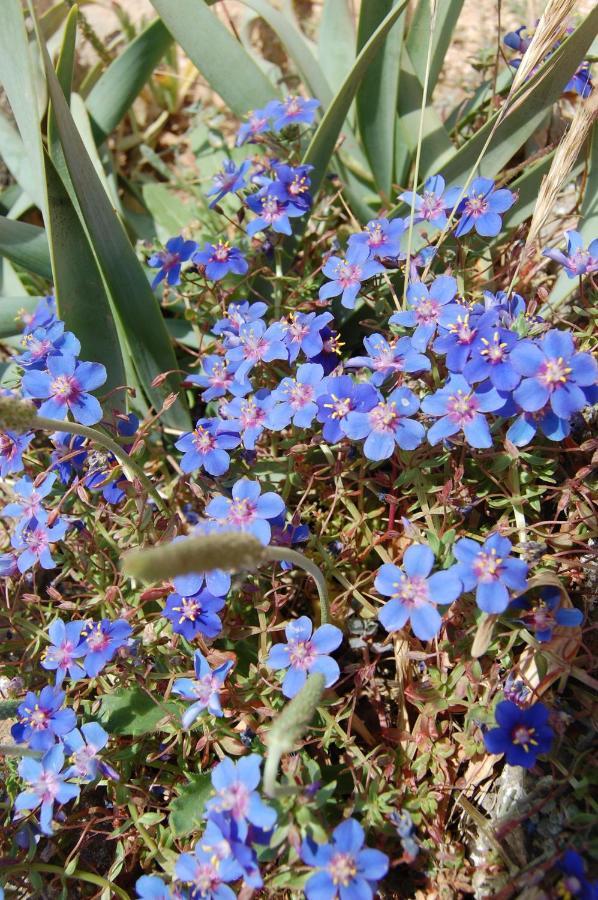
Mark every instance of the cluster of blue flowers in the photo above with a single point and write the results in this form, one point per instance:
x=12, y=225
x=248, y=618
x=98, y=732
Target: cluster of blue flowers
x=519, y=40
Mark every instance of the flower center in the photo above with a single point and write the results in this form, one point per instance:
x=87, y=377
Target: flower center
x=203, y=688
x=302, y=654
x=65, y=386
x=297, y=330
x=47, y=786
x=97, y=640
x=203, y=440
x=222, y=251
x=251, y=415
x=462, y=408
x=298, y=186
x=476, y=205
x=384, y=416
x=495, y=352
x=568, y=888
x=241, y=512
x=412, y=590
x=272, y=209
x=432, y=205
x=348, y=275
x=206, y=879
x=292, y=106
x=300, y=395
x=340, y=406
x=189, y=609
x=236, y=799
x=463, y=330
x=554, y=372
x=219, y=376
x=427, y=310
x=524, y=737
x=255, y=346
x=38, y=718
x=487, y=566
x=376, y=235
x=342, y=869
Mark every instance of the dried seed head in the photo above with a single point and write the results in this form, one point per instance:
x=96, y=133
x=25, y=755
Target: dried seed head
x=232, y=551
x=16, y=415
x=550, y=28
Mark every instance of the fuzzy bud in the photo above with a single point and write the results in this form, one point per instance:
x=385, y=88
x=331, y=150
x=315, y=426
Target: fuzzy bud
x=16, y=415
x=232, y=551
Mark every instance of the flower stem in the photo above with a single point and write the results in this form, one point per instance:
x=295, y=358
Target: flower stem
x=298, y=559
x=130, y=467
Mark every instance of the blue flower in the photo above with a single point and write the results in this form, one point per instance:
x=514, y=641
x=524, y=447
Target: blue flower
x=273, y=210
x=293, y=110
x=238, y=314
x=460, y=327
x=345, y=869
x=9, y=565
x=553, y=372
x=249, y=509
x=31, y=496
x=194, y=614
x=220, y=259
x=207, y=874
x=387, y=424
x=218, y=378
x=236, y=794
x=507, y=307
x=544, y=615
x=66, y=647
x=249, y=415
x=415, y=593
x=306, y=653
x=69, y=455
x=459, y=407
x=43, y=315
x=33, y=540
x=481, y=208
x=206, y=447
x=42, y=720
x=12, y=446
x=295, y=398
x=222, y=839
x=525, y=426
x=230, y=179
x=491, y=358
x=576, y=261
x=581, y=82
x=519, y=39
x=385, y=359
x=168, y=261
x=522, y=734
x=84, y=747
x=575, y=882
x=257, y=343
x=381, y=237
x=204, y=689
x=303, y=331
x=433, y=204
x=65, y=388
x=425, y=309
x=331, y=352
x=45, y=342
x=491, y=570
x=258, y=121
x=295, y=183
x=46, y=785
x=348, y=273
x=151, y=887
x=103, y=640
x=342, y=396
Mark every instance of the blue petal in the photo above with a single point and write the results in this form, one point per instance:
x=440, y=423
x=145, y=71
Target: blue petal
x=492, y=597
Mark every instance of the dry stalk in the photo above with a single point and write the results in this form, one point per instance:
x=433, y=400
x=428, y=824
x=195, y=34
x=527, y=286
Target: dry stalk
x=550, y=29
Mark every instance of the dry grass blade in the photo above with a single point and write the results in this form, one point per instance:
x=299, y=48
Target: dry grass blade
x=550, y=28
x=564, y=160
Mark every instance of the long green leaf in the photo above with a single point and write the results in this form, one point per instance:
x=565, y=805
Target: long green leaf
x=541, y=92
x=336, y=41
x=114, y=92
x=17, y=161
x=130, y=293
x=26, y=245
x=17, y=78
x=323, y=142
x=418, y=38
x=10, y=308
x=376, y=98
x=221, y=59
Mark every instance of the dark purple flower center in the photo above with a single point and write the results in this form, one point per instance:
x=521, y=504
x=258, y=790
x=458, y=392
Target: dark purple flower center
x=333, y=344
x=203, y=688
x=342, y=868
x=462, y=408
x=222, y=251
x=554, y=373
x=347, y=274
x=476, y=205
x=298, y=186
x=235, y=798
x=219, y=377
x=272, y=208
x=300, y=395
x=251, y=414
x=65, y=387
x=487, y=566
x=340, y=406
x=98, y=640
x=432, y=205
x=190, y=609
x=254, y=346
x=427, y=310
x=412, y=590
x=203, y=440
x=38, y=718
x=302, y=654
x=206, y=879
x=523, y=736
x=495, y=351
x=463, y=330
x=241, y=512
x=296, y=329
x=47, y=786
x=384, y=417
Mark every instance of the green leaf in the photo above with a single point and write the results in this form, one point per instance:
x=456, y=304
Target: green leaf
x=8, y=709
x=226, y=66
x=10, y=307
x=16, y=160
x=167, y=209
x=418, y=38
x=131, y=296
x=377, y=94
x=114, y=92
x=18, y=80
x=26, y=245
x=132, y=711
x=336, y=41
x=81, y=296
x=323, y=142
x=540, y=93
x=187, y=810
